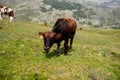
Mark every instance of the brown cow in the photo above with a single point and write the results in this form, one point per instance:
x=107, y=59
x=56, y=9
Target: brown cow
x=64, y=29
x=81, y=28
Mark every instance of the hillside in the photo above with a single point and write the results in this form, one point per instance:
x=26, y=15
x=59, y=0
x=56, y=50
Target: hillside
x=95, y=54
x=98, y=13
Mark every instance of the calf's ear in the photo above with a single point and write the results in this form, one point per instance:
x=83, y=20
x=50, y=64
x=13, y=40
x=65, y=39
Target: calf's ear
x=58, y=36
x=41, y=34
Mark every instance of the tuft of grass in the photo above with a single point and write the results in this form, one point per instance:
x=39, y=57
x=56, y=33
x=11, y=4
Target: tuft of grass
x=95, y=54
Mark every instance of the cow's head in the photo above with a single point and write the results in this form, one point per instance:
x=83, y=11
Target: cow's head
x=49, y=39
x=3, y=9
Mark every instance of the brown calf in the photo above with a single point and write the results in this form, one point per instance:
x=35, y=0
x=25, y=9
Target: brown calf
x=64, y=29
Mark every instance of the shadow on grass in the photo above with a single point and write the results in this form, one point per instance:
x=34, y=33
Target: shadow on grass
x=1, y=28
x=115, y=56
x=53, y=53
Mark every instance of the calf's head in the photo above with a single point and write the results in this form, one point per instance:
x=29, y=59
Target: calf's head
x=49, y=39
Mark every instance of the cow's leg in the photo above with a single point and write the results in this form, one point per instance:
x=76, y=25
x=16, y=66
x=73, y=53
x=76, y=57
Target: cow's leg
x=11, y=18
x=1, y=16
x=71, y=41
x=66, y=46
x=58, y=49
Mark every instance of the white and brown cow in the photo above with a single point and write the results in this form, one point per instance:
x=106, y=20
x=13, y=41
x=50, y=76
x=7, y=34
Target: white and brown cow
x=10, y=13
x=2, y=10
x=7, y=11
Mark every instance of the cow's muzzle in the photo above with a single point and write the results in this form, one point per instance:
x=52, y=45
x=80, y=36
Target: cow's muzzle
x=47, y=48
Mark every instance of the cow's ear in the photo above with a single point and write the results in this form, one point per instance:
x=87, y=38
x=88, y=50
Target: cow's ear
x=58, y=36
x=41, y=34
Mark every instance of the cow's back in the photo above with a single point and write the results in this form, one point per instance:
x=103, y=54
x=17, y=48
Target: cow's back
x=1, y=6
x=71, y=26
x=65, y=26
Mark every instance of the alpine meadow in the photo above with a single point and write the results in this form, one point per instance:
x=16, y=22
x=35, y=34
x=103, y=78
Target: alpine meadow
x=95, y=53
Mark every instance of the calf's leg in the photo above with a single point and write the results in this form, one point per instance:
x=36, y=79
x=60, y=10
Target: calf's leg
x=66, y=46
x=1, y=16
x=71, y=41
x=58, y=49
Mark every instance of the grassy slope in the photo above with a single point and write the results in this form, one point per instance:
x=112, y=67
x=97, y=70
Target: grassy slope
x=95, y=54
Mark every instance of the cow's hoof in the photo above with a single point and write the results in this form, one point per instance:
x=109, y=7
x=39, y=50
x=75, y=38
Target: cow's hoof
x=58, y=55
x=69, y=50
x=65, y=54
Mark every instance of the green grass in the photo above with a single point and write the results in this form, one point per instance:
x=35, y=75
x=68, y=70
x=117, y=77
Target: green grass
x=95, y=54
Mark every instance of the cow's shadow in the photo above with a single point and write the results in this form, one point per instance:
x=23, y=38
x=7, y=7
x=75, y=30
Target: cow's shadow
x=54, y=53
x=1, y=28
